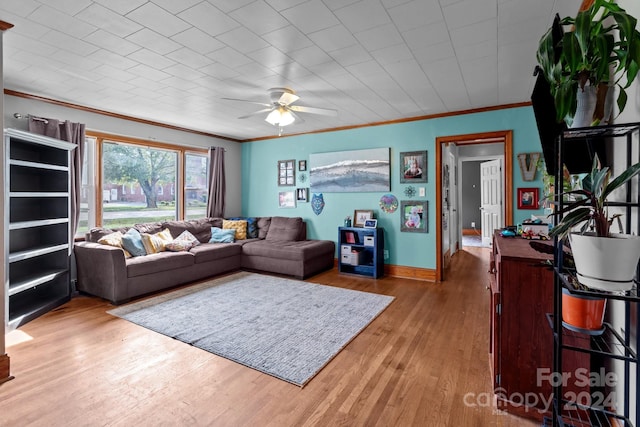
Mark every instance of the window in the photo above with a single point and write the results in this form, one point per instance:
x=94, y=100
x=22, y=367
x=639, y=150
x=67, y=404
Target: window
x=138, y=180
x=196, y=185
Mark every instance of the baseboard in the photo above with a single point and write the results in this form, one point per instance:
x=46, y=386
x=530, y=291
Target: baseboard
x=4, y=369
x=404, y=272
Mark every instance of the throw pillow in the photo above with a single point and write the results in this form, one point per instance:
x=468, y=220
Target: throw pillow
x=154, y=243
x=239, y=226
x=115, y=240
x=132, y=242
x=284, y=229
x=252, y=226
x=199, y=229
x=179, y=246
x=185, y=236
x=218, y=235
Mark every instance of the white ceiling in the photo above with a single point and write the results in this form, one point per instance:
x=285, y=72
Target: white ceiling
x=172, y=61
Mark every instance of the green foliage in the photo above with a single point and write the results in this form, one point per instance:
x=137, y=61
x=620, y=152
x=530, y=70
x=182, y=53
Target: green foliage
x=589, y=209
x=589, y=51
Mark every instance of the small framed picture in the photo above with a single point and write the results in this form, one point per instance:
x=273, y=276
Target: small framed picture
x=302, y=165
x=287, y=199
x=370, y=223
x=528, y=198
x=414, y=216
x=286, y=173
x=302, y=194
x=360, y=216
x=413, y=166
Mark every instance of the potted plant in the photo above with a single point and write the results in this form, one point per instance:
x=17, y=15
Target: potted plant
x=604, y=260
x=601, y=49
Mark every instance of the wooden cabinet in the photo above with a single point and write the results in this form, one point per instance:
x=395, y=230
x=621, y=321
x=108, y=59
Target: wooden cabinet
x=361, y=251
x=521, y=342
x=37, y=240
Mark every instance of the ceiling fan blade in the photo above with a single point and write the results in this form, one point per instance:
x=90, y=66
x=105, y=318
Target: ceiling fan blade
x=247, y=101
x=297, y=117
x=312, y=110
x=255, y=113
x=288, y=98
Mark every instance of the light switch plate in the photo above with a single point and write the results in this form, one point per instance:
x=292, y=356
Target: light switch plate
x=421, y=192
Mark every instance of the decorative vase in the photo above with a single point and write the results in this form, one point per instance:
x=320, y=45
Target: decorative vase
x=583, y=314
x=605, y=263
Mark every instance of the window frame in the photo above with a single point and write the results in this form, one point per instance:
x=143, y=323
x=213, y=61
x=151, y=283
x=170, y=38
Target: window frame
x=101, y=138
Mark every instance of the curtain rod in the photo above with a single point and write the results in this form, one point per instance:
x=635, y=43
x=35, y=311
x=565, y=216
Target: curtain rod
x=29, y=116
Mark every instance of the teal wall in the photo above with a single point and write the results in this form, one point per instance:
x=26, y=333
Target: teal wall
x=260, y=189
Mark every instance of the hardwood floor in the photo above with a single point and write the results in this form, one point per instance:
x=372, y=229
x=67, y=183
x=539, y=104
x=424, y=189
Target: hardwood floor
x=413, y=365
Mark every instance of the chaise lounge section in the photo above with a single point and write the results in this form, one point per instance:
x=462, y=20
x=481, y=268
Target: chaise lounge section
x=281, y=248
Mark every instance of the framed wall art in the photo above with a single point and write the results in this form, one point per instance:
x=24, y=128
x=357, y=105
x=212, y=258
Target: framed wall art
x=287, y=199
x=414, y=216
x=302, y=165
x=302, y=194
x=413, y=166
x=286, y=172
x=350, y=171
x=361, y=216
x=528, y=198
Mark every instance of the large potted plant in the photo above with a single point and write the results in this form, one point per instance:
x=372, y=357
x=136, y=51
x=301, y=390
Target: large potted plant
x=604, y=260
x=596, y=50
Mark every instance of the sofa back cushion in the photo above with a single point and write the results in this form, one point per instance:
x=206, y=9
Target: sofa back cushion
x=263, y=226
x=201, y=229
x=285, y=229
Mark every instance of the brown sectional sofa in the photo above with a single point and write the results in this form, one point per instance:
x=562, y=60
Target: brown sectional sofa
x=281, y=248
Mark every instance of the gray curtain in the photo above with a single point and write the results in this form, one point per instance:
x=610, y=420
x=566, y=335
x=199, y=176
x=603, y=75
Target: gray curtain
x=70, y=132
x=217, y=185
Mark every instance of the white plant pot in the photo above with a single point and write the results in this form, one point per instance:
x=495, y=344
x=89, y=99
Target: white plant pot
x=586, y=105
x=605, y=263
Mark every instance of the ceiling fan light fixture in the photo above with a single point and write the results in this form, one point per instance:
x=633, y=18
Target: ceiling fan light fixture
x=280, y=117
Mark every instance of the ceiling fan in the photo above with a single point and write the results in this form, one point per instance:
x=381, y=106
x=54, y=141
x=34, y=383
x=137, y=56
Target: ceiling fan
x=281, y=112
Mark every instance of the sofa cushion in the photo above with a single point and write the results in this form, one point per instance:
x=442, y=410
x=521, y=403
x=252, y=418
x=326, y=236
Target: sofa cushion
x=284, y=229
x=263, y=226
x=149, y=227
x=218, y=235
x=179, y=245
x=162, y=261
x=154, y=243
x=213, y=251
x=240, y=226
x=301, y=250
x=114, y=239
x=97, y=233
x=132, y=242
x=200, y=229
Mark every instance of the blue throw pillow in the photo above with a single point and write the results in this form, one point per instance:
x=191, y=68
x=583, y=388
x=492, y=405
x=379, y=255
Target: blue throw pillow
x=132, y=242
x=252, y=226
x=218, y=235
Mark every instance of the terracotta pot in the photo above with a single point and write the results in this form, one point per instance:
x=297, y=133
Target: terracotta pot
x=583, y=313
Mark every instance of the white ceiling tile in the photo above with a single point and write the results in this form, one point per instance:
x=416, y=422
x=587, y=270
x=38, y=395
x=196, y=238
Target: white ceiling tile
x=219, y=71
x=310, y=56
x=363, y=15
x=229, y=5
x=436, y=52
x=208, y=19
x=147, y=72
x=180, y=84
x=287, y=39
x=260, y=17
x=184, y=72
x=230, y=57
x=311, y=16
x=52, y=18
x=112, y=43
x=415, y=14
x=198, y=41
x=114, y=74
x=426, y=35
x=475, y=33
x=20, y=8
x=393, y=3
x=64, y=41
x=156, y=18
x=122, y=6
x=153, y=41
x=26, y=44
x=468, y=12
x=189, y=58
x=106, y=57
x=515, y=11
x=379, y=37
x=255, y=70
x=351, y=55
x=393, y=54
x=23, y=26
x=333, y=38
x=71, y=60
x=70, y=7
x=281, y=5
x=270, y=57
x=243, y=40
x=152, y=59
x=108, y=20
x=478, y=50
x=174, y=6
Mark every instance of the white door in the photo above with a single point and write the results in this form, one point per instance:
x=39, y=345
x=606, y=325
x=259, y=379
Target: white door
x=491, y=198
x=454, y=227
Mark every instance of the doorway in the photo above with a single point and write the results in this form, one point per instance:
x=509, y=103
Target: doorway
x=443, y=148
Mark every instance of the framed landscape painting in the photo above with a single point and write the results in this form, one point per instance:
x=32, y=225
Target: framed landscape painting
x=350, y=171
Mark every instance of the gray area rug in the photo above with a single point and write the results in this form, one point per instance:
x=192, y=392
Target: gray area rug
x=286, y=328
